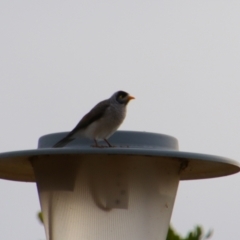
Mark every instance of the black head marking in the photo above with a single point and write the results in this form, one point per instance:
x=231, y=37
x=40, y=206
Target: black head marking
x=121, y=97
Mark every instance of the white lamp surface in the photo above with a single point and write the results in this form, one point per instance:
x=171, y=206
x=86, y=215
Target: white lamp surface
x=120, y=198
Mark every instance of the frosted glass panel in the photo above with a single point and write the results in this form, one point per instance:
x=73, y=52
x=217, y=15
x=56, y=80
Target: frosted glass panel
x=106, y=197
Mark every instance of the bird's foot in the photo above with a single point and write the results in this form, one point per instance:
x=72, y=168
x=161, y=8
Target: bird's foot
x=101, y=146
x=108, y=143
x=97, y=146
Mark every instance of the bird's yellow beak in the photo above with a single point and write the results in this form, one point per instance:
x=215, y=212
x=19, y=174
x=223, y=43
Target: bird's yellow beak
x=130, y=98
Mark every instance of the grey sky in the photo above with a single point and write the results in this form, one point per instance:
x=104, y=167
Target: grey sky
x=180, y=59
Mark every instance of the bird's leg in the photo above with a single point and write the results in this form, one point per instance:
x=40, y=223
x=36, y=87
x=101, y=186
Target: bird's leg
x=96, y=143
x=107, y=142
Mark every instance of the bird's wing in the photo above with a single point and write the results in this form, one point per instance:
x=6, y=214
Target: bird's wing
x=95, y=113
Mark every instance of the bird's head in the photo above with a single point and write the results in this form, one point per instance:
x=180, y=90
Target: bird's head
x=122, y=97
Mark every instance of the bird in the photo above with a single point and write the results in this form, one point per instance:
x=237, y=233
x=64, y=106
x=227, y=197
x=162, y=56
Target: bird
x=101, y=121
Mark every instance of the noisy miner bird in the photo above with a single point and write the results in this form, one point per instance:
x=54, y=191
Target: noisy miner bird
x=102, y=121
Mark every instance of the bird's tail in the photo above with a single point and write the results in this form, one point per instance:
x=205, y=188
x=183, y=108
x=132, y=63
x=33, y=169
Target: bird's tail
x=63, y=142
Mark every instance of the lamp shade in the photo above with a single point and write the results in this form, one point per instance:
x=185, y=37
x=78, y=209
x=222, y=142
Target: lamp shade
x=124, y=192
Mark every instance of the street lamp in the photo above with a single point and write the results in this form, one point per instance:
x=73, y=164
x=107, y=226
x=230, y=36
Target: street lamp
x=125, y=192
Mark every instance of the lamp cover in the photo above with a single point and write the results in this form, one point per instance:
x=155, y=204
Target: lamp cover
x=124, y=192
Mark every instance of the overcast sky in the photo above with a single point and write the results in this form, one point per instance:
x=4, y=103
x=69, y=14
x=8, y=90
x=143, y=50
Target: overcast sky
x=180, y=59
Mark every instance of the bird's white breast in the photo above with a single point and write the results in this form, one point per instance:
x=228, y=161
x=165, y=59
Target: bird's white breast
x=107, y=125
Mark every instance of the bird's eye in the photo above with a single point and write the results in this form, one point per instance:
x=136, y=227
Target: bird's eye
x=121, y=96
